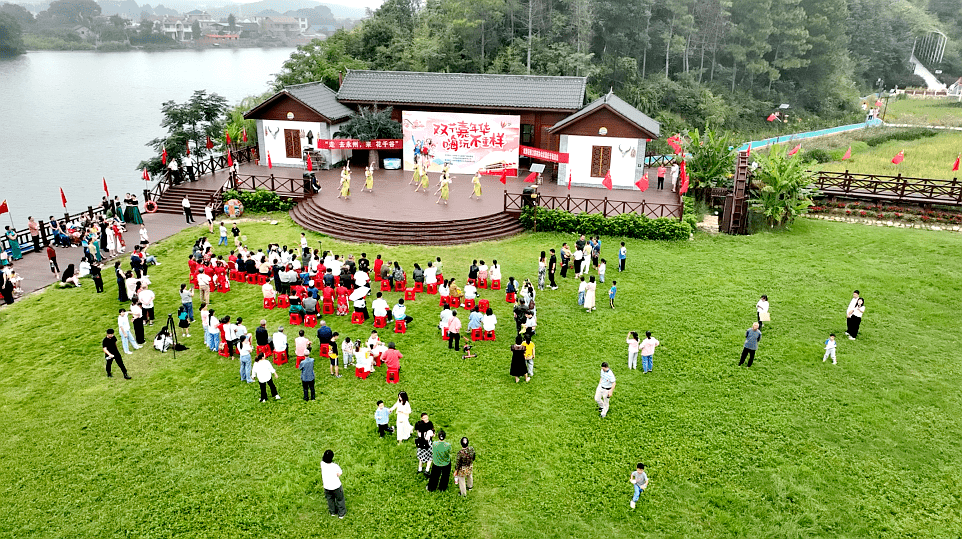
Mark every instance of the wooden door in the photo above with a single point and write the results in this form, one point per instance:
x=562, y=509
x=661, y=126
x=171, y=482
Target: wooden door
x=292, y=143
x=600, y=161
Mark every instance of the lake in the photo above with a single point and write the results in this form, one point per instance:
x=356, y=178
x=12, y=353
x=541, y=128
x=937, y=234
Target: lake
x=72, y=118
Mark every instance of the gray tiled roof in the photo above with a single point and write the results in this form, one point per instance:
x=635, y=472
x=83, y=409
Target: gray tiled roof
x=320, y=98
x=463, y=90
x=618, y=105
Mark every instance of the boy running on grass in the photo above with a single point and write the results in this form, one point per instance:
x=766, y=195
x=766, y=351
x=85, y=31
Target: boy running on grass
x=639, y=480
x=830, y=349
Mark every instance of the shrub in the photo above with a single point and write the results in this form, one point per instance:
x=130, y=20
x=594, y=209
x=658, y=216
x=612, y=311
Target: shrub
x=631, y=225
x=259, y=201
x=906, y=134
x=818, y=155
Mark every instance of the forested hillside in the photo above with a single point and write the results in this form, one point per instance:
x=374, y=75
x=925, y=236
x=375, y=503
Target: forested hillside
x=685, y=62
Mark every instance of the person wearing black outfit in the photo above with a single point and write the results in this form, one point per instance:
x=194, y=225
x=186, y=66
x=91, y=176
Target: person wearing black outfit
x=262, y=336
x=363, y=264
x=137, y=264
x=121, y=283
x=112, y=354
x=552, y=268
x=97, y=277
x=473, y=270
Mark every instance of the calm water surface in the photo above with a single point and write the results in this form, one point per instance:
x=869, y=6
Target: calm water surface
x=71, y=118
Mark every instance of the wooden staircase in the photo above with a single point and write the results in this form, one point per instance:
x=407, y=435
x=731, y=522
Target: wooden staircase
x=311, y=215
x=735, y=215
x=171, y=200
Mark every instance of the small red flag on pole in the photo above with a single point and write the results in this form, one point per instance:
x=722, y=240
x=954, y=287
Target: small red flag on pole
x=533, y=177
x=187, y=143
x=63, y=198
x=226, y=134
x=955, y=167
x=210, y=143
x=3, y=207
x=684, y=179
x=607, y=181
x=244, y=134
x=106, y=192
x=504, y=177
x=163, y=157
x=310, y=165
x=749, y=152
x=794, y=150
x=269, y=164
x=848, y=154
x=898, y=157
x=230, y=160
x=569, y=181
x=772, y=117
x=146, y=175
x=878, y=103
x=642, y=183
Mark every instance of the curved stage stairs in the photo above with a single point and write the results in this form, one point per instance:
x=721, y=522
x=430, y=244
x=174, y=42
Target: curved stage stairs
x=309, y=214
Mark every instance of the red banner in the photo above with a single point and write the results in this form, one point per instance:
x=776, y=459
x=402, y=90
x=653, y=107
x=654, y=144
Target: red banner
x=544, y=155
x=355, y=144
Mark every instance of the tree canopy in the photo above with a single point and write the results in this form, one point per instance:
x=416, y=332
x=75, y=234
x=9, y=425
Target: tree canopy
x=11, y=36
x=196, y=119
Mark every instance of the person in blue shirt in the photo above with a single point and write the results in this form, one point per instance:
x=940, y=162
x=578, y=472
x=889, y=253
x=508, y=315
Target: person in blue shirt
x=307, y=376
x=312, y=290
x=382, y=416
x=611, y=294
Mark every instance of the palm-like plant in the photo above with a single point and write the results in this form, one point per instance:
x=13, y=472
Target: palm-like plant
x=782, y=191
x=711, y=160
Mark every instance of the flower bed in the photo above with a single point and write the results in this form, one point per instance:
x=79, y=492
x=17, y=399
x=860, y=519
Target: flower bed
x=884, y=212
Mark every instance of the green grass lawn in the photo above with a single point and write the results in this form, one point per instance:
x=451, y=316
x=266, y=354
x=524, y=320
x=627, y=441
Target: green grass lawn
x=790, y=448
x=943, y=112
x=931, y=157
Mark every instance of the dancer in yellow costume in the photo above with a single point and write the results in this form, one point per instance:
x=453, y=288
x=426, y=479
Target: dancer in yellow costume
x=369, y=178
x=445, y=187
x=417, y=175
x=345, y=183
x=424, y=180
x=476, y=180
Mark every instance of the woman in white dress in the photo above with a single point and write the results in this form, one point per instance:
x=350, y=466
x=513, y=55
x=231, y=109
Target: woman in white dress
x=590, y=294
x=403, y=409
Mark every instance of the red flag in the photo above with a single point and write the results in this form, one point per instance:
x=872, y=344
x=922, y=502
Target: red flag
x=848, y=154
x=673, y=142
x=794, y=150
x=210, y=143
x=533, y=177
x=899, y=157
x=226, y=134
x=569, y=181
x=187, y=143
x=955, y=167
x=772, y=117
x=642, y=184
x=163, y=157
x=749, y=152
x=230, y=160
x=269, y=164
x=146, y=175
x=607, y=181
x=3, y=207
x=310, y=165
x=106, y=192
x=504, y=177
x=63, y=198
x=878, y=103
x=244, y=134
x=684, y=179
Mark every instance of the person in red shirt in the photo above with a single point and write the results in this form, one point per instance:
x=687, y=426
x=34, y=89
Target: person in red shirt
x=454, y=332
x=377, y=265
x=328, y=294
x=661, y=176
x=52, y=256
x=392, y=358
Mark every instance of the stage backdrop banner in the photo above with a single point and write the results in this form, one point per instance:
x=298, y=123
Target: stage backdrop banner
x=469, y=142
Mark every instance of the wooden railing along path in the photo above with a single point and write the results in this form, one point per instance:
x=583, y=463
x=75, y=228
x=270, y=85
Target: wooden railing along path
x=515, y=202
x=890, y=188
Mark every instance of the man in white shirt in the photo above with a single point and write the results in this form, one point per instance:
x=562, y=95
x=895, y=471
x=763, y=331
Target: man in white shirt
x=186, y=204
x=123, y=324
x=147, y=302
x=379, y=305
x=279, y=340
x=470, y=291
x=230, y=335
x=606, y=387
x=761, y=307
x=331, y=480
x=400, y=312
x=209, y=215
x=361, y=279
x=265, y=375
x=430, y=274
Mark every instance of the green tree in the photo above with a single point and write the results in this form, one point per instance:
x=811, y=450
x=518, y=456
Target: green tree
x=236, y=123
x=196, y=119
x=369, y=124
x=711, y=160
x=71, y=11
x=232, y=23
x=781, y=182
x=11, y=36
x=195, y=29
x=19, y=13
x=318, y=61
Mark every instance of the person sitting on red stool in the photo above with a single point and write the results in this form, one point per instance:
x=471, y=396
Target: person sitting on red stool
x=392, y=358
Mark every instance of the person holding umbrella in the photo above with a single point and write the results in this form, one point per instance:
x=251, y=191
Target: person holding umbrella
x=360, y=304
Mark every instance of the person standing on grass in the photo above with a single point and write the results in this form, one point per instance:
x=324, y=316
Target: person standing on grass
x=111, y=354
x=849, y=311
x=223, y=235
x=565, y=259
x=605, y=389
x=403, y=410
x=464, y=467
x=422, y=442
x=830, y=349
x=639, y=480
x=187, y=300
x=633, y=347
x=611, y=294
x=203, y=284
x=441, y=458
x=582, y=289
x=590, y=294
x=855, y=318
x=307, y=377
x=752, y=336
x=647, y=352
x=382, y=418
x=265, y=375
x=333, y=490
x=209, y=216
x=542, y=270
x=762, y=307
x=519, y=367
x=529, y=355
x=126, y=335
x=245, y=348
x=454, y=332
x=622, y=257
x=552, y=268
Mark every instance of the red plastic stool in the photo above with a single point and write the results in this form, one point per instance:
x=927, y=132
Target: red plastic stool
x=455, y=302
x=469, y=304
x=261, y=279
x=297, y=361
x=444, y=334
x=295, y=319
x=265, y=349
x=431, y=288
x=399, y=286
x=483, y=305
x=380, y=321
x=222, y=349
x=328, y=308
x=496, y=284
x=310, y=320
x=337, y=281
x=440, y=277
x=357, y=318
x=385, y=286
x=418, y=287
x=489, y=335
x=251, y=278
x=269, y=303
x=283, y=302
x=400, y=326
x=444, y=299
x=392, y=377
x=477, y=334
x=325, y=351
x=234, y=276
x=510, y=297
x=482, y=283
x=280, y=358
x=409, y=294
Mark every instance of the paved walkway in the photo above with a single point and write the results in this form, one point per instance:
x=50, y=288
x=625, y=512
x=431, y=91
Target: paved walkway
x=35, y=270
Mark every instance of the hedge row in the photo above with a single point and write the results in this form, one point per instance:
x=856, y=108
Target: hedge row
x=631, y=225
x=259, y=201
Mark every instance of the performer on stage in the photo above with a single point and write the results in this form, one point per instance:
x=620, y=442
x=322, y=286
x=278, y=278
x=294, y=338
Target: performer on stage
x=416, y=178
x=345, y=183
x=445, y=186
x=424, y=179
x=369, y=178
x=476, y=180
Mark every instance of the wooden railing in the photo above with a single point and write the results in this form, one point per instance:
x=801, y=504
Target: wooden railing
x=247, y=154
x=654, y=160
x=515, y=202
x=285, y=187
x=892, y=188
x=46, y=233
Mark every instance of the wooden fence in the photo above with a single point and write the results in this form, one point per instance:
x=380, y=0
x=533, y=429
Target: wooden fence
x=211, y=164
x=899, y=188
x=515, y=202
